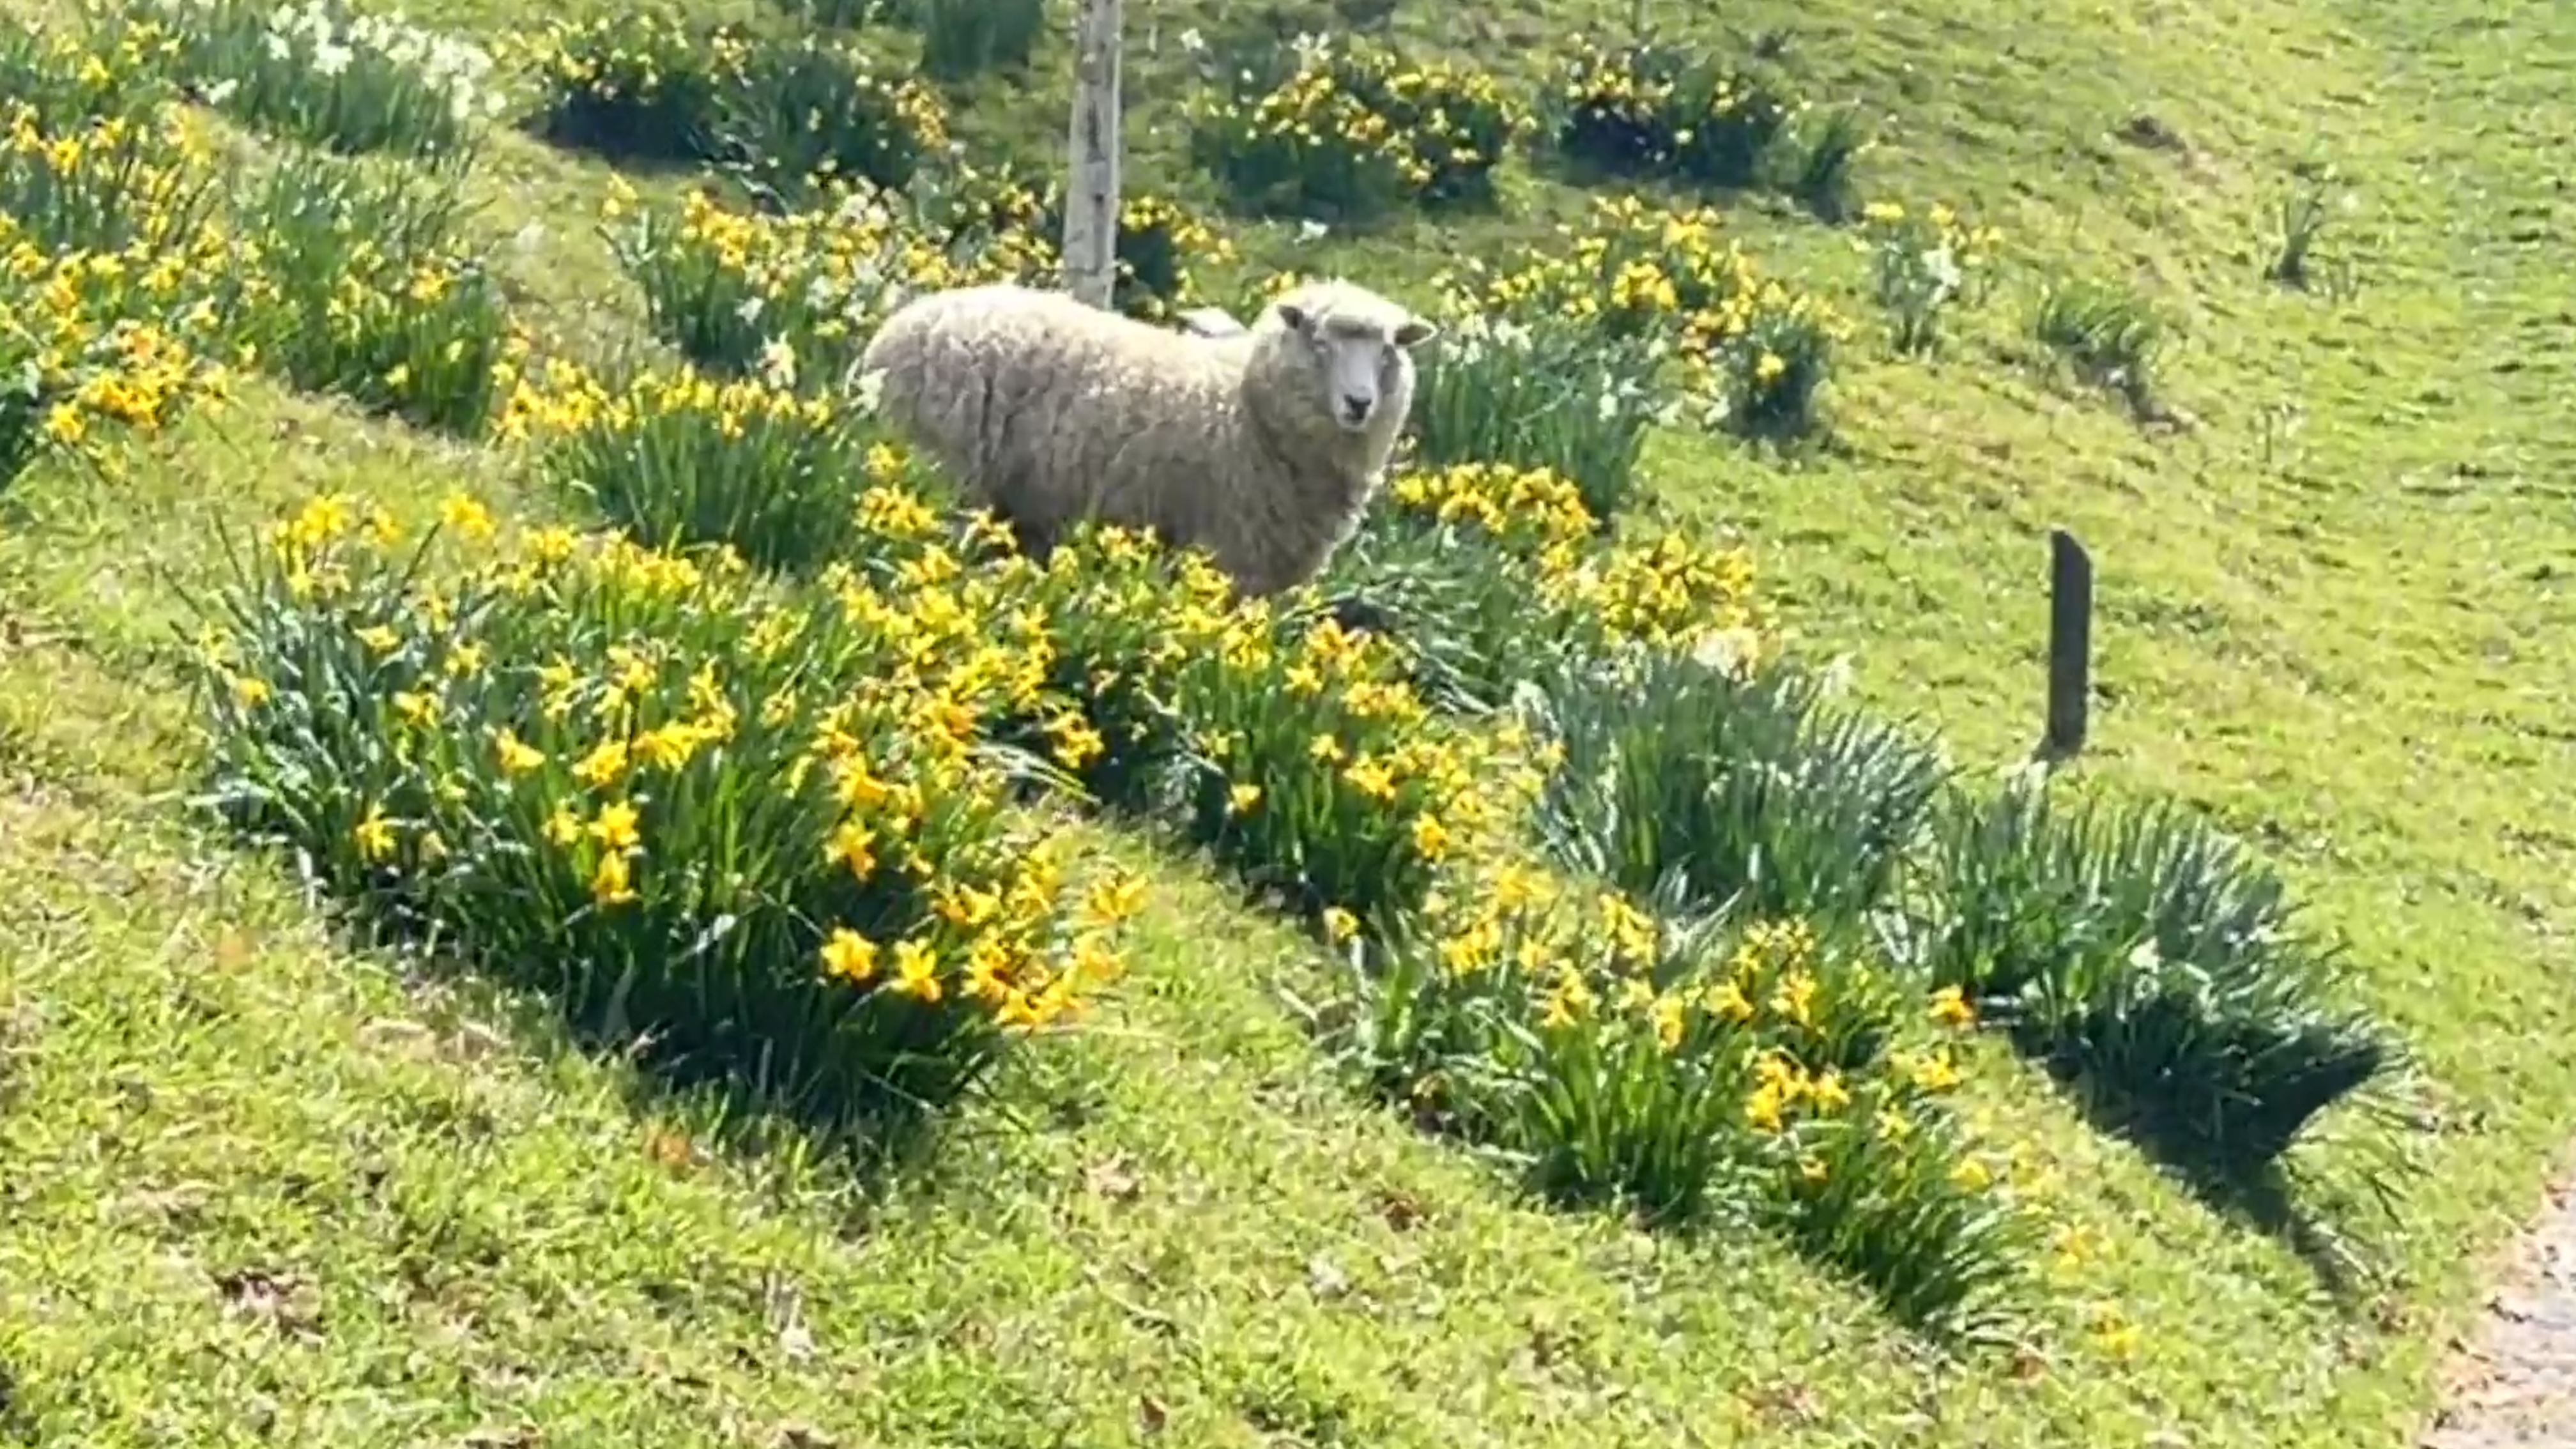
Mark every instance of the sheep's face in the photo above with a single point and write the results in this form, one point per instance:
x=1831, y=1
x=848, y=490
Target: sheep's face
x=1360, y=361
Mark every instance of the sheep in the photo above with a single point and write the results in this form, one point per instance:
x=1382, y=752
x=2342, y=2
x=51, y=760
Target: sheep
x=1262, y=447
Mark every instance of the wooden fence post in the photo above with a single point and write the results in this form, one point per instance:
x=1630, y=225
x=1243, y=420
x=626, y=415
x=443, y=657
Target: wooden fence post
x=1091, y=188
x=2070, y=646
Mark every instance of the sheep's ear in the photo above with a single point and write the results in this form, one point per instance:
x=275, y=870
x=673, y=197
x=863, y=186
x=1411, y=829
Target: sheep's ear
x=1295, y=316
x=1414, y=331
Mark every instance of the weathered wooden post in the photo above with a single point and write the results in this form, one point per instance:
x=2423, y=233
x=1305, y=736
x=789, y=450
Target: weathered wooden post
x=2070, y=646
x=1091, y=191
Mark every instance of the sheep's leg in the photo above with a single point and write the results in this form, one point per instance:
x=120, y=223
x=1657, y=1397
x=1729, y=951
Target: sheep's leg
x=1034, y=526
x=1035, y=540
x=1001, y=485
x=1023, y=507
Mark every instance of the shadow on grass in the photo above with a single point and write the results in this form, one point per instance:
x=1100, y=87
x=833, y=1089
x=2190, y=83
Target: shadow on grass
x=16, y=1427
x=2248, y=1184
x=612, y=134
x=750, y=1097
x=1286, y=205
x=730, y=1095
x=1551, y=161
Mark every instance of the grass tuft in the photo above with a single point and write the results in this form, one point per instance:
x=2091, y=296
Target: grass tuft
x=2305, y=215
x=1824, y=177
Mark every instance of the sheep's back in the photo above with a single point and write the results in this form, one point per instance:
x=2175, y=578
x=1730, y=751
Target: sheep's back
x=1048, y=407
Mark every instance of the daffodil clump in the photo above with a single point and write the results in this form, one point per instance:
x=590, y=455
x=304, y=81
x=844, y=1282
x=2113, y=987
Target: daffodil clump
x=94, y=345
x=1925, y=262
x=1354, y=130
x=1666, y=593
x=749, y=829
x=1763, y=360
x=1703, y=1071
x=336, y=273
x=1523, y=511
x=1662, y=315
x=107, y=68
x=323, y=73
x=803, y=114
x=814, y=115
x=1656, y=109
x=1553, y=392
x=679, y=458
x=738, y=292
x=1293, y=750
x=1320, y=773
x=1636, y=267
x=350, y=280
x=645, y=83
x=1566, y=361
x=794, y=298
x=1159, y=239
x=2154, y=963
x=109, y=324
x=1493, y=577
x=105, y=183
x=1119, y=619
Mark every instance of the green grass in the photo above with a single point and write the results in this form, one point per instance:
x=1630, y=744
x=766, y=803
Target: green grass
x=2342, y=642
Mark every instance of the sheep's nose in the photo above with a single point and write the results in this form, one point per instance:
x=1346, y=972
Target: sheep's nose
x=1355, y=408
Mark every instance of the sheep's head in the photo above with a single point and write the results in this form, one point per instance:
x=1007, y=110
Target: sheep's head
x=1361, y=346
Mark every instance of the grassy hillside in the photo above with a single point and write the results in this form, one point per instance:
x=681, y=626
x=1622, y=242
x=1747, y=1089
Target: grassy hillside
x=262, y=1183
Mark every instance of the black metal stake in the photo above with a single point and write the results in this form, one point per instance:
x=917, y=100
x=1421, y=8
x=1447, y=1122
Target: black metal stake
x=2070, y=646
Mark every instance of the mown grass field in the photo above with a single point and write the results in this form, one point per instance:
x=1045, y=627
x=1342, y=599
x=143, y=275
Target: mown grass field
x=260, y=1185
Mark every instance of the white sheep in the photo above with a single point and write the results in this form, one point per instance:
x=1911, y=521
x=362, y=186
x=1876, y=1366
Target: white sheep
x=1261, y=447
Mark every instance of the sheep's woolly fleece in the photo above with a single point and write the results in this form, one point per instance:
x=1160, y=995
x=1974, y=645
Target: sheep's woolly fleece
x=1261, y=447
